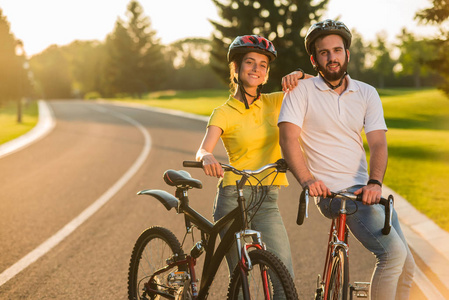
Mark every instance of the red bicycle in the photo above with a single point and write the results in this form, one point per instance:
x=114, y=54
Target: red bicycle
x=334, y=284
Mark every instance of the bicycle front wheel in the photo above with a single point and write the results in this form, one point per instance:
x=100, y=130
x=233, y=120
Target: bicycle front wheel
x=153, y=247
x=268, y=279
x=339, y=279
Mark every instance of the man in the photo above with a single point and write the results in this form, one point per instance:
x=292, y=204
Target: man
x=320, y=125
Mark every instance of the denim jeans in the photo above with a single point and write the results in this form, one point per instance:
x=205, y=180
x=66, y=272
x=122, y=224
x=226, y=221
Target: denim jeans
x=267, y=220
x=393, y=273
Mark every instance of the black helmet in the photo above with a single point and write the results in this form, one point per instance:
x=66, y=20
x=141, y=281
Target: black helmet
x=251, y=43
x=327, y=27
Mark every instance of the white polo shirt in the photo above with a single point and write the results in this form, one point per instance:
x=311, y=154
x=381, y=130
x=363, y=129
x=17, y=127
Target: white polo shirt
x=331, y=126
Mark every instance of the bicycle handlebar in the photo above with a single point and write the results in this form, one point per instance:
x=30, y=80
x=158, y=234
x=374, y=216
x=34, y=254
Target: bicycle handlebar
x=280, y=165
x=388, y=203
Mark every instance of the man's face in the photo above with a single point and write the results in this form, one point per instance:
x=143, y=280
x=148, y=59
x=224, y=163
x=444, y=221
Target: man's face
x=331, y=57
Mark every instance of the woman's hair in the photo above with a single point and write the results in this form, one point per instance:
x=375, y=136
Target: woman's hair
x=234, y=67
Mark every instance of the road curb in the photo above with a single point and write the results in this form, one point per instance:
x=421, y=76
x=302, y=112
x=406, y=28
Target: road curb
x=45, y=124
x=427, y=239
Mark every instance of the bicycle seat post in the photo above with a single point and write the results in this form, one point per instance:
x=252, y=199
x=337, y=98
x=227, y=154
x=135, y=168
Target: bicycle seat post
x=241, y=200
x=182, y=195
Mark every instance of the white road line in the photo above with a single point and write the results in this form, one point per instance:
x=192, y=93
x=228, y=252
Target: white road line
x=46, y=246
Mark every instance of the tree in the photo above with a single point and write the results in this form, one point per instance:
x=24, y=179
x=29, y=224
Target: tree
x=383, y=64
x=438, y=14
x=414, y=56
x=190, y=65
x=135, y=63
x=358, y=52
x=51, y=69
x=12, y=75
x=284, y=22
x=86, y=61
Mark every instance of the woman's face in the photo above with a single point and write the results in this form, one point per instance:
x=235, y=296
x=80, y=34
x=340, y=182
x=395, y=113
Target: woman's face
x=254, y=69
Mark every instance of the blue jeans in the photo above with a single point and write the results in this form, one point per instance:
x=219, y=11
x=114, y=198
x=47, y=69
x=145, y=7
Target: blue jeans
x=393, y=273
x=267, y=220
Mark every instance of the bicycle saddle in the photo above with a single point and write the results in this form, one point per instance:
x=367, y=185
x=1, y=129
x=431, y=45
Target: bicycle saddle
x=181, y=178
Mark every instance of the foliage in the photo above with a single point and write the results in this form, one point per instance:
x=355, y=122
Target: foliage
x=358, y=53
x=439, y=14
x=52, y=73
x=414, y=56
x=190, y=65
x=134, y=59
x=284, y=22
x=14, y=82
x=383, y=64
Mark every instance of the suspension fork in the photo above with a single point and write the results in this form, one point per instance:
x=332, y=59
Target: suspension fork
x=244, y=263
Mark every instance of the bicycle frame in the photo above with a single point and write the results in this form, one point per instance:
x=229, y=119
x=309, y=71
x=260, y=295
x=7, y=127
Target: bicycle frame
x=338, y=236
x=238, y=231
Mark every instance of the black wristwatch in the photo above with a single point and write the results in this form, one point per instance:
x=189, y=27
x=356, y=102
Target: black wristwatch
x=374, y=181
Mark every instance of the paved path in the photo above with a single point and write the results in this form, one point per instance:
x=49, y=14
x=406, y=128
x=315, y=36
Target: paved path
x=429, y=243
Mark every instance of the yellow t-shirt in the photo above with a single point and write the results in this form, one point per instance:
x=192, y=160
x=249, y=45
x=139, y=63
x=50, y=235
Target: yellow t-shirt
x=250, y=136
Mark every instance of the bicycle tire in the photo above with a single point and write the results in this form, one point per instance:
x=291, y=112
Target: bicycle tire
x=151, y=250
x=263, y=260
x=339, y=278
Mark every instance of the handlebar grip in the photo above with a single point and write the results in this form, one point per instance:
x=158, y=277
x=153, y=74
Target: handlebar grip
x=388, y=203
x=301, y=208
x=192, y=164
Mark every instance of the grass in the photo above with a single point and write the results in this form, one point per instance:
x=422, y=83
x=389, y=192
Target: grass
x=418, y=144
x=200, y=102
x=9, y=128
x=418, y=138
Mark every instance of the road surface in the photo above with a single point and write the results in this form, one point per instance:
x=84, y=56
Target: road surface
x=72, y=196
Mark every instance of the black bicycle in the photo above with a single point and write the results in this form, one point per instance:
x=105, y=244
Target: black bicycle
x=160, y=268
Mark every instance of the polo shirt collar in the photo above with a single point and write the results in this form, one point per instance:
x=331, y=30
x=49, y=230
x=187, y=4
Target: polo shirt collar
x=240, y=106
x=321, y=84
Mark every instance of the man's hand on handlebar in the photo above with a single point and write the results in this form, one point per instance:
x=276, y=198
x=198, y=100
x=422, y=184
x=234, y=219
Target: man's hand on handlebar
x=371, y=194
x=317, y=188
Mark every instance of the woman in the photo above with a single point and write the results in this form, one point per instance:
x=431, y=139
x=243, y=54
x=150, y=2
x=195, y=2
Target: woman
x=247, y=125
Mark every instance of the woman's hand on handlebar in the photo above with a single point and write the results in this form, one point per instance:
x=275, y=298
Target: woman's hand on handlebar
x=211, y=166
x=371, y=194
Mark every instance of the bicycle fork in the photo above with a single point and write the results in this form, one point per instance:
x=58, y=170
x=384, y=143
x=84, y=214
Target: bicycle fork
x=245, y=262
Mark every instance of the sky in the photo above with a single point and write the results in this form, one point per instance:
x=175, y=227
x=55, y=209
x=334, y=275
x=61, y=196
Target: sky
x=41, y=23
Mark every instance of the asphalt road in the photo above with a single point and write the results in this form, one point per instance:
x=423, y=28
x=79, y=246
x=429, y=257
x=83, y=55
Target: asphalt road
x=50, y=183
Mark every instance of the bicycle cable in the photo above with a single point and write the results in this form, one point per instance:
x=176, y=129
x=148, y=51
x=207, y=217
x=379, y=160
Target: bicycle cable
x=256, y=204
x=348, y=214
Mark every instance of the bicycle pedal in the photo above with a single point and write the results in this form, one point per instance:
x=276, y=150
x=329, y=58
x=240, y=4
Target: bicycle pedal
x=361, y=289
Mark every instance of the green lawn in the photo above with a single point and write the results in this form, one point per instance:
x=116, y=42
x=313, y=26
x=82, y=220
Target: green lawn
x=418, y=143
x=9, y=128
x=200, y=102
x=418, y=139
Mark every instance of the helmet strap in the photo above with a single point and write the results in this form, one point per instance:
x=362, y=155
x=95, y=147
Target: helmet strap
x=243, y=92
x=334, y=86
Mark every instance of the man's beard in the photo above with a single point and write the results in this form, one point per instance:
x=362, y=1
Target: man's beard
x=334, y=76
